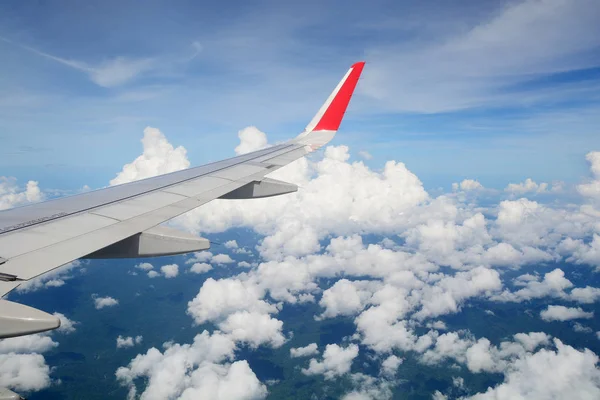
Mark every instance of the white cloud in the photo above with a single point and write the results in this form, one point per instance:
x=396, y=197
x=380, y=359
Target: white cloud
x=564, y=373
x=144, y=266
x=244, y=264
x=369, y=388
x=128, y=341
x=225, y=382
x=21, y=367
x=170, y=271
x=221, y=259
x=216, y=300
x=305, y=351
x=365, y=155
x=36, y=343
x=448, y=294
x=336, y=361
x=24, y=371
x=294, y=223
x=480, y=355
x=437, y=395
x=253, y=328
x=586, y=295
x=198, y=370
x=529, y=186
x=54, y=278
x=102, y=302
x=231, y=244
x=200, y=268
x=153, y=274
x=577, y=327
x=66, y=325
x=109, y=73
x=467, y=185
x=592, y=188
x=201, y=256
x=251, y=139
x=581, y=252
x=159, y=157
x=562, y=313
x=118, y=71
x=346, y=297
x=438, y=325
x=483, y=60
x=401, y=285
x=390, y=365
x=11, y=195
x=553, y=285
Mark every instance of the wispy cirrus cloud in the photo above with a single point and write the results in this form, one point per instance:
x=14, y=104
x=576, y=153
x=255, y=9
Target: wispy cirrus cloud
x=485, y=64
x=109, y=73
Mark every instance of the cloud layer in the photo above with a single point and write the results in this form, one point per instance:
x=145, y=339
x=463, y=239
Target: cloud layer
x=390, y=288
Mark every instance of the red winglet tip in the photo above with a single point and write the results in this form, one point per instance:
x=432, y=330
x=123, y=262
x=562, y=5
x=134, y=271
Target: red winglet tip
x=332, y=118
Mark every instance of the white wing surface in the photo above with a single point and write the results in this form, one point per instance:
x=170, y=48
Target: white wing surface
x=122, y=221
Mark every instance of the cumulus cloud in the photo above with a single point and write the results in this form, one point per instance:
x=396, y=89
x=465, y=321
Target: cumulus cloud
x=202, y=369
x=221, y=259
x=102, y=302
x=21, y=365
x=561, y=373
x=562, y=313
x=11, y=195
x=369, y=388
x=128, y=341
x=201, y=256
x=159, y=157
x=144, y=266
x=345, y=298
x=219, y=298
x=253, y=328
x=591, y=189
x=251, y=139
x=530, y=186
x=392, y=287
x=336, y=361
x=238, y=310
x=200, y=268
x=305, y=351
x=207, y=256
x=390, y=365
x=170, y=271
x=231, y=244
x=553, y=284
x=66, y=325
x=294, y=224
x=467, y=185
x=55, y=278
x=24, y=371
x=586, y=295
x=36, y=343
x=480, y=355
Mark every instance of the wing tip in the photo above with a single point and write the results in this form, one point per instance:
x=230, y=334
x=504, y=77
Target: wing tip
x=334, y=113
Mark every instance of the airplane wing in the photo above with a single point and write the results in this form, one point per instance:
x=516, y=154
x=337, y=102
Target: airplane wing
x=122, y=221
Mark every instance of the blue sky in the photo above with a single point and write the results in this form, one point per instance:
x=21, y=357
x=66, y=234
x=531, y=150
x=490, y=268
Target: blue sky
x=495, y=91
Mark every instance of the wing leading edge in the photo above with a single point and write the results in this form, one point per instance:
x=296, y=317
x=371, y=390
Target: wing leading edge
x=121, y=221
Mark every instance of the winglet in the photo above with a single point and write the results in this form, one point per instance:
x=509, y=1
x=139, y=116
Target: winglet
x=331, y=113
